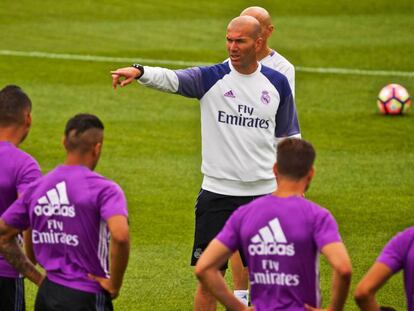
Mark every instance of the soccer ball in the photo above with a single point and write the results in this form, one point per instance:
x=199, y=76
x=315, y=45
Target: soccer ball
x=393, y=99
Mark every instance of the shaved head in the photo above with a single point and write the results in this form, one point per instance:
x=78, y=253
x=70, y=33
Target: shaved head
x=82, y=133
x=248, y=25
x=259, y=13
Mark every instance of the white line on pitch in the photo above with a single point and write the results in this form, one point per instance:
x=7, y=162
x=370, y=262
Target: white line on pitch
x=96, y=58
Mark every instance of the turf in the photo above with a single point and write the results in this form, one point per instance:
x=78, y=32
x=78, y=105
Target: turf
x=152, y=144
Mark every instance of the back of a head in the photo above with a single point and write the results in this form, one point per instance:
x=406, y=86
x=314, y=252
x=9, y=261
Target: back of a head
x=83, y=132
x=14, y=106
x=295, y=158
x=259, y=13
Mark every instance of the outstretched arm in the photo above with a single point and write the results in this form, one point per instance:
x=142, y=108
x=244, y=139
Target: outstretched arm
x=376, y=276
x=11, y=251
x=118, y=227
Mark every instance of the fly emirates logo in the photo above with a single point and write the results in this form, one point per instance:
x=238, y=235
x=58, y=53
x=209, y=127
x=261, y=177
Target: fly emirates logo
x=52, y=205
x=271, y=240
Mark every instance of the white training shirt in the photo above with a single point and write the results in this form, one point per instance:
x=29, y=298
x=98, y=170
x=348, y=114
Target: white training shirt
x=241, y=115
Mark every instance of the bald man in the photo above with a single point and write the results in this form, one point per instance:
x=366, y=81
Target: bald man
x=270, y=58
x=245, y=108
x=72, y=211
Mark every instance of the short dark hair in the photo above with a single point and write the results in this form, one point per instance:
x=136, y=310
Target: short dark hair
x=13, y=104
x=79, y=132
x=295, y=158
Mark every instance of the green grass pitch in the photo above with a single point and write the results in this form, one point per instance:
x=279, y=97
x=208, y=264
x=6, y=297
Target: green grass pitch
x=365, y=173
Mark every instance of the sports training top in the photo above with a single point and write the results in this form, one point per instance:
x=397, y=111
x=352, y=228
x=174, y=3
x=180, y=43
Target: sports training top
x=241, y=118
x=281, y=251
x=68, y=210
x=399, y=254
x=17, y=170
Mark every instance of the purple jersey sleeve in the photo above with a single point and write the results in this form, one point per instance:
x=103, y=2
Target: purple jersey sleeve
x=229, y=235
x=287, y=123
x=112, y=202
x=17, y=215
x=27, y=173
x=190, y=82
x=394, y=253
x=195, y=82
x=325, y=229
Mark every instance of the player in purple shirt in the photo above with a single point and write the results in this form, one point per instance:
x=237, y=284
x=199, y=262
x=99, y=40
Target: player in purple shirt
x=397, y=255
x=72, y=212
x=281, y=235
x=17, y=170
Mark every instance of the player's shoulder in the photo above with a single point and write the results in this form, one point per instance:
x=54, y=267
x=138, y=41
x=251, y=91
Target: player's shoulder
x=276, y=78
x=278, y=62
x=101, y=184
x=216, y=71
x=19, y=156
x=405, y=235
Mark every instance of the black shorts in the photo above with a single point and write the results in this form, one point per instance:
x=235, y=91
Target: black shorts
x=12, y=294
x=55, y=297
x=211, y=213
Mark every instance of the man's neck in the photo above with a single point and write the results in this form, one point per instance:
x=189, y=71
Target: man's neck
x=287, y=189
x=11, y=135
x=246, y=70
x=264, y=53
x=78, y=159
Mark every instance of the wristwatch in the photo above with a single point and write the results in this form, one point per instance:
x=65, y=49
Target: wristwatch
x=140, y=68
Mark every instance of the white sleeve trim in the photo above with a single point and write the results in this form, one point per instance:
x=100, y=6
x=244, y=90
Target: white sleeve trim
x=279, y=139
x=162, y=79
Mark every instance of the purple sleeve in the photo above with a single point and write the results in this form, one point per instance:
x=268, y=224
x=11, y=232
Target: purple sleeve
x=112, y=202
x=190, y=82
x=229, y=235
x=28, y=172
x=195, y=82
x=287, y=123
x=394, y=253
x=17, y=215
x=325, y=229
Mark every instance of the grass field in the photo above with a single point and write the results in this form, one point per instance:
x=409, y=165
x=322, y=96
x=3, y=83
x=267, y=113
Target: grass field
x=365, y=173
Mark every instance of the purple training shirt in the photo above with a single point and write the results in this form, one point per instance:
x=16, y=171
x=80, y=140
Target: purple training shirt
x=399, y=254
x=68, y=211
x=17, y=171
x=281, y=239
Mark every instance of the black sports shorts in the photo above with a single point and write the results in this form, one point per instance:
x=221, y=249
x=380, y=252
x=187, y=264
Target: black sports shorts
x=12, y=294
x=55, y=297
x=211, y=213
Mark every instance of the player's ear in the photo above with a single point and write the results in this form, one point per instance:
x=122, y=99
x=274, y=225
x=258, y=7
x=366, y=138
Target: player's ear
x=29, y=120
x=275, y=169
x=258, y=44
x=97, y=149
x=311, y=173
x=64, y=142
x=270, y=29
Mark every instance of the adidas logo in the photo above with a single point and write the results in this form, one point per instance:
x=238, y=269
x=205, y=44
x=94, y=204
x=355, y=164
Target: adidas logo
x=229, y=94
x=55, y=203
x=271, y=240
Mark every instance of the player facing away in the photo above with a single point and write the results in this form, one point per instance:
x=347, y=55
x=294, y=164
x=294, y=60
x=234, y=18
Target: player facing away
x=270, y=58
x=281, y=235
x=17, y=170
x=245, y=109
x=72, y=212
x=397, y=255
